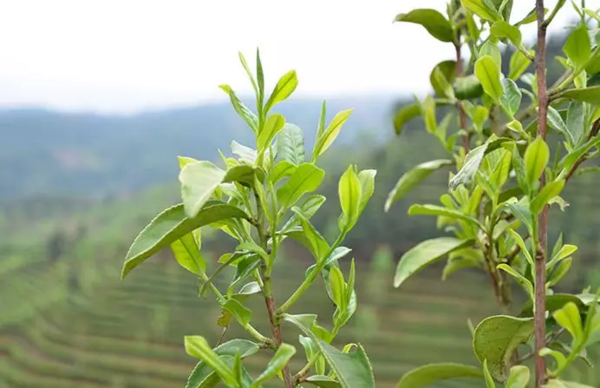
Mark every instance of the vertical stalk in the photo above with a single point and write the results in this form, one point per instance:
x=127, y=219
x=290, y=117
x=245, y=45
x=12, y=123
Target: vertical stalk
x=462, y=115
x=268, y=291
x=540, y=258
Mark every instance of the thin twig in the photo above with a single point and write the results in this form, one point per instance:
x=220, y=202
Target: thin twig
x=540, y=258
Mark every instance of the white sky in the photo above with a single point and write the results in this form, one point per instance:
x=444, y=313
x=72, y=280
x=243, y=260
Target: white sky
x=129, y=55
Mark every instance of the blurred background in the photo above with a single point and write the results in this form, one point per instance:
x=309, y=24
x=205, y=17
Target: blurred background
x=97, y=100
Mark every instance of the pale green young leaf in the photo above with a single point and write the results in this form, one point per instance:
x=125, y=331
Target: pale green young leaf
x=338, y=287
x=322, y=117
x=248, y=72
x=367, y=184
x=560, y=271
x=241, y=173
x=433, y=21
x=491, y=49
x=467, y=173
x=246, y=154
x=482, y=9
x=536, y=160
x=434, y=210
x=329, y=135
x=281, y=358
x=172, y=224
x=576, y=120
x=549, y=192
x=425, y=254
x=242, y=314
x=555, y=121
x=432, y=373
x=523, y=282
x=562, y=253
x=521, y=243
x=511, y=97
x=310, y=237
x=197, y=346
x=496, y=339
x=350, y=193
x=412, y=178
x=442, y=76
x=518, y=377
x=590, y=95
x=241, y=109
x=281, y=170
x=578, y=47
x=271, y=128
x=569, y=318
x=428, y=112
x=309, y=206
x=290, y=145
x=352, y=370
x=570, y=159
x=203, y=375
x=323, y=381
x=518, y=64
x=404, y=114
x=305, y=179
x=185, y=160
x=284, y=88
x=561, y=360
x=502, y=29
x=187, y=253
x=487, y=376
x=488, y=74
x=198, y=183
x=501, y=171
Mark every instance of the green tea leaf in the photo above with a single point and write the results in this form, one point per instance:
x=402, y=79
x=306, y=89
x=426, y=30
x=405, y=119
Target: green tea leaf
x=198, y=183
x=197, y=346
x=502, y=29
x=536, y=160
x=433, y=210
x=204, y=374
x=425, y=254
x=246, y=154
x=433, y=21
x=468, y=87
x=323, y=381
x=352, y=370
x=482, y=9
x=555, y=120
x=518, y=64
x=281, y=170
x=578, y=47
x=242, y=173
x=271, y=128
x=511, y=98
x=338, y=287
x=442, y=77
x=518, y=377
x=412, y=178
x=569, y=318
x=282, y=356
x=367, y=184
x=332, y=131
x=188, y=255
x=553, y=302
x=431, y=373
x=241, y=109
x=565, y=384
x=284, y=88
x=350, y=193
x=576, y=120
x=488, y=74
x=308, y=208
x=496, y=339
x=549, y=192
x=523, y=282
x=172, y=224
x=305, y=179
x=404, y=114
x=290, y=145
x=310, y=237
x=590, y=95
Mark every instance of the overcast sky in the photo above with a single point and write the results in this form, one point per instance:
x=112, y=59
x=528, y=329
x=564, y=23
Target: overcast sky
x=130, y=55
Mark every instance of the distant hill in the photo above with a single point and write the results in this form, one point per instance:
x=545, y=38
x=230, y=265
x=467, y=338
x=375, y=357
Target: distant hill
x=50, y=153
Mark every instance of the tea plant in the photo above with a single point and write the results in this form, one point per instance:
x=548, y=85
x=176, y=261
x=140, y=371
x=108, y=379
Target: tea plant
x=261, y=197
x=508, y=172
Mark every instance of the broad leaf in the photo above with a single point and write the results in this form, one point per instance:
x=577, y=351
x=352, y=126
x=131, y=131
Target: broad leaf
x=442, y=77
x=578, y=46
x=433, y=210
x=305, y=179
x=350, y=193
x=511, y=98
x=282, y=356
x=496, y=339
x=290, y=145
x=203, y=374
x=433, y=21
x=241, y=109
x=483, y=9
x=323, y=381
x=413, y=178
x=425, y=254
x=281, y=170
x=172, y=224
x=526, y=284
x=367, y=184
x=518, y=377
x=576, y=120
x=590, y=95
x=488, y=74
x=569, y=318
x=518, y=64
x=553, y=302
x=502, y=29
x=555, y=120
x=309, y=237
x=352, y=369
x=309, y=206
x=536, y=160
x=284, y=88
x=242, y=173
x=467, y=173
x=272, y=126
x=198, y=183
x=468, y=87
x=548, y=193
x=241, y=314
x=197, y=346
x=187, y=254
x=404, y=114
x=432, y=373
x=246, y=154
x=332, y=131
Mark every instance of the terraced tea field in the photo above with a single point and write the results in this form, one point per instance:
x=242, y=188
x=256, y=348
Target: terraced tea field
x=55, y=333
